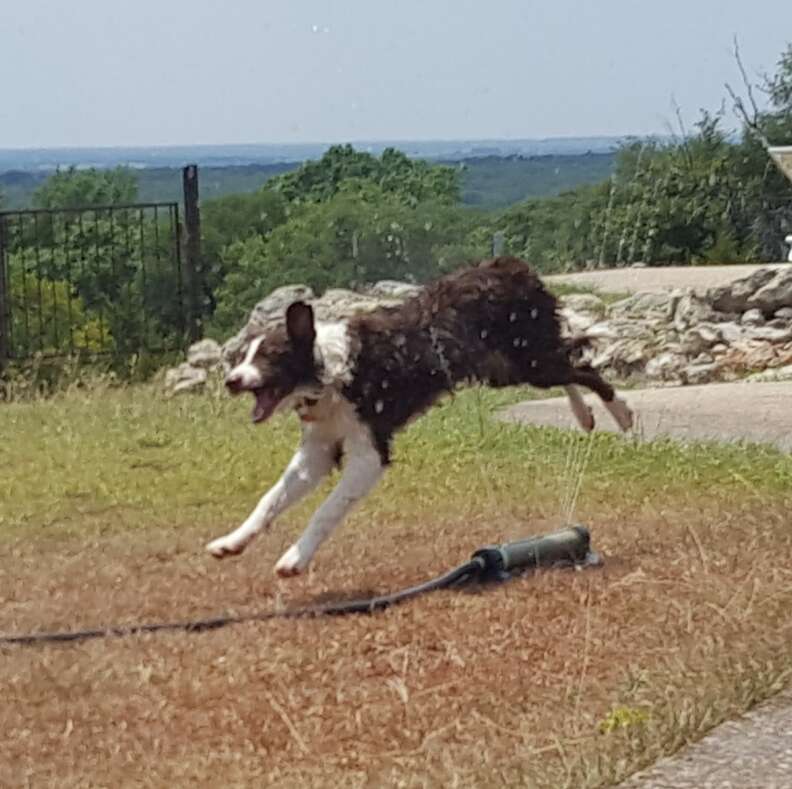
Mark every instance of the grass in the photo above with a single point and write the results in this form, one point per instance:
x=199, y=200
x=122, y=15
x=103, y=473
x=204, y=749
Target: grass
x=561, y=679
x=562, y=289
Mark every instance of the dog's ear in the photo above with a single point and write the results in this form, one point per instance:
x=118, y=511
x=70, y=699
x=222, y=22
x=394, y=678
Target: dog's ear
x=300, y=325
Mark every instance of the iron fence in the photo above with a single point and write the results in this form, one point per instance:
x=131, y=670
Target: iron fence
x=97, y=280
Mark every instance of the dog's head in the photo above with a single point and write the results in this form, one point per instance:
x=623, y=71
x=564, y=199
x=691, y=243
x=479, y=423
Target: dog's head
x=277, y=363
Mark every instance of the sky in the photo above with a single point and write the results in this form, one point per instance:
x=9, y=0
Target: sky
x=179, y=72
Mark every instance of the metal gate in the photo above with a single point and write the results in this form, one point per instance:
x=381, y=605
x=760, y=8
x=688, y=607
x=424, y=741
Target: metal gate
x=97, y=280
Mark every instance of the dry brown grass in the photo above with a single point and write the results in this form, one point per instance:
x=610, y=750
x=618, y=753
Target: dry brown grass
x=561, y=679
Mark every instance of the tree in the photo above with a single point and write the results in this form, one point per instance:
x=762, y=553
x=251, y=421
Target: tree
x=412, y=181
x=73, y=188
x=362, y=234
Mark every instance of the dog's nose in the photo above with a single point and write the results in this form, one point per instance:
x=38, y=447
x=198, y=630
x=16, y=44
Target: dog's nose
x=233, y=383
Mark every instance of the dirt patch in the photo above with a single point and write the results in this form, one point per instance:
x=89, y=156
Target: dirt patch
x=495, y=685
x=759, y=413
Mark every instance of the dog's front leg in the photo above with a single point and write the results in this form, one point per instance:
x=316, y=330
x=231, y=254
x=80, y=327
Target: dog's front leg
x=361, y=473
x=311, y=463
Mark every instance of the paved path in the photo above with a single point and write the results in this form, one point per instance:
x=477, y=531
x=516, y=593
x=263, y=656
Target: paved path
x=752, y=752
x=657, y=278
x=757, y=412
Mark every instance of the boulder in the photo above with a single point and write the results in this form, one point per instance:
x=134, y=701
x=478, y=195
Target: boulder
x=668, y=366
x=700, y=338
x=773, y=295
x=392, y=289
x=692, y=310
x=584, y=302
x=185, y=378
x=700, y=373
x=205, y=353
x=735, y=296
x=643, y=305
x=752, y=317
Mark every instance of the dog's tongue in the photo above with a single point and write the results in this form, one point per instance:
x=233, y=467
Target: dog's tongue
x=266, y=400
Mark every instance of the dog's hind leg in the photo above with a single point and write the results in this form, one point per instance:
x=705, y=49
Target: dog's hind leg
x=310, y=464
x=591, y=379
x=362, y=471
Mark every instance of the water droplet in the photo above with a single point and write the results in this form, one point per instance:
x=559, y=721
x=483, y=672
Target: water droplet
x=534, y=313
x=512, y=317
x=516, y=341
x=524, y=343
x=484, y=334
x=534, y=363
x=379, y=406
x=384, y=383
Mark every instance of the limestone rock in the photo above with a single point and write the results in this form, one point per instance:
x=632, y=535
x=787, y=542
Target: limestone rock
x=205, y=353
x=735, y=297
x=775, y=294
x=752, y=317
x=185, y=378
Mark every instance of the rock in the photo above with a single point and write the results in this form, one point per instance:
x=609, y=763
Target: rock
x=752, y=317
x=272, y=308
x=391, y=289
x=643, y=305
x=205, y=353
x=769, y=334
x=700, y=338
x=700, y=373
x=784, y=314
x=338, y=303
x=774, y=374
x=692, y=310
x=667, y=366
x=334, y=304
x=730, y=332
x=775, y=294
x=577, y=322
x=185, y=378
x=734, y=297
x=584, y=302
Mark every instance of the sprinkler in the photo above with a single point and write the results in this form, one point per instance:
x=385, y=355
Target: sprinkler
x=570, y=546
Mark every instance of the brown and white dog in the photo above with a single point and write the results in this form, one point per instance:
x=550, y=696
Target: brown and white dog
x=355, y=383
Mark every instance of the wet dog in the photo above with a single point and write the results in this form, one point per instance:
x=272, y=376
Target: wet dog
x=354, y=383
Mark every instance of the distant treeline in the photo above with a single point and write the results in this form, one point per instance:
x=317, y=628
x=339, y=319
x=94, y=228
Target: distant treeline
x=486, y=182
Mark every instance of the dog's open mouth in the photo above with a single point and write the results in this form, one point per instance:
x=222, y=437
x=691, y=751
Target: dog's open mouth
x=266, y=402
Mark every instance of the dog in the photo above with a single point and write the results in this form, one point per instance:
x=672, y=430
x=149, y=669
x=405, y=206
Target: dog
x=355, y=383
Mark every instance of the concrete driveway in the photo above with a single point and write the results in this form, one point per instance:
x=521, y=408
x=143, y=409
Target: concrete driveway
x=756, y=412
x=658, y=278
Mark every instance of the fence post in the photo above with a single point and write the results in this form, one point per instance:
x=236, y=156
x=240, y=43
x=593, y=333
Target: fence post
x=192, y=250
x=5, y=344
x=498, y=243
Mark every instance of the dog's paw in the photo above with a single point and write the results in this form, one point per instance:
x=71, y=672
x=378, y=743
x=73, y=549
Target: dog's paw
x=622, y=413
x=291, y=563
x=224, y=546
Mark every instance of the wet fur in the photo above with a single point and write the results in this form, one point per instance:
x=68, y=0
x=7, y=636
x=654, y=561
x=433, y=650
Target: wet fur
x=356, y=383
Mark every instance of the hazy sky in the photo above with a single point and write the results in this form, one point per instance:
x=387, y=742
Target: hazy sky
x=104, y=72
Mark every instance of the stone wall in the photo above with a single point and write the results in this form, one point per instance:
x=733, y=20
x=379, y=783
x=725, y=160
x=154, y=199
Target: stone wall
x=742, y=330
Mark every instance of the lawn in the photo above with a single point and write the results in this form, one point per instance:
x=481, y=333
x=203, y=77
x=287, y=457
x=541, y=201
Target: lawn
x=563, y=678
